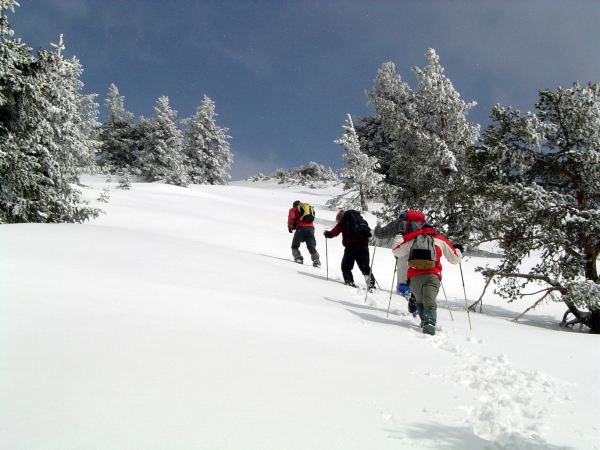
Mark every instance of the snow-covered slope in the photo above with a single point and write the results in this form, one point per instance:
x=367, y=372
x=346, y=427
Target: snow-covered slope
x=177, y=320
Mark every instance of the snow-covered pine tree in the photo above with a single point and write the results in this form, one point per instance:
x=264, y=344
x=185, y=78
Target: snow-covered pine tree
x=206, y=149
x=161, y=141
x=542, y=174
x=420, y=137
x=119, y=151
x=359, y=176
x=44, y=140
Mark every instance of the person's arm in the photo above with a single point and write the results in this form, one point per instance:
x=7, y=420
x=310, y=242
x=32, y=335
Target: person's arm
x=292, y=220
x=334, y=232
x=387, y=232
x=452, y=254
x=401, y=247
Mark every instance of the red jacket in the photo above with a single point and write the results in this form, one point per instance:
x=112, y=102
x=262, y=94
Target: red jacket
x=294, y=220
x=402, y=245
x=346, y=239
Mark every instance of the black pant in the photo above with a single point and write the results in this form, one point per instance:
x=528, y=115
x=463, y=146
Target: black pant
x=359, y=252
x=305, y=234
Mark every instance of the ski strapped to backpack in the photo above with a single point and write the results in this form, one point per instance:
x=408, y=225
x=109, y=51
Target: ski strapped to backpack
x=307, y=212
x=359, y=228
x=422, y=252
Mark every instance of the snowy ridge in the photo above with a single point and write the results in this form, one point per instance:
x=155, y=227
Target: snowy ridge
x=176, y=320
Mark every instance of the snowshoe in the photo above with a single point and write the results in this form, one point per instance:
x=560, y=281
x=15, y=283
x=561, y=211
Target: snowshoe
x=299, y=260
x=317, y=264
x=350, y=283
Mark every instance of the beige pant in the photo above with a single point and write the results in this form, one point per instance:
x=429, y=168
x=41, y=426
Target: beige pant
x=425, y=287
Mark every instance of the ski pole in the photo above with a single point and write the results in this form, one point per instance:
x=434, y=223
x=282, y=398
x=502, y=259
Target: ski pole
x=465, y=291
x=370, y=272
x=392, y=288
x=447, y=304
x=326, y=259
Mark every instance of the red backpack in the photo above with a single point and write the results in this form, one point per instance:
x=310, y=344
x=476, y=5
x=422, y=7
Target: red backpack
x=410, y=221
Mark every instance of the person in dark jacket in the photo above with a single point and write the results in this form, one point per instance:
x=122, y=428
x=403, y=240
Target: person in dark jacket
x=304, y=232
x=425, y=283
x=355, y=250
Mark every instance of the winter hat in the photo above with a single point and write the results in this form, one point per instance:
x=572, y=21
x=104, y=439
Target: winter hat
x=339, y=216
x=296, y=203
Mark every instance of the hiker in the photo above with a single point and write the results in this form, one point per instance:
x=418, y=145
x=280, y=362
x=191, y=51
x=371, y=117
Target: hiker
x=300, y=218
x=425, y=248
x=406, y=222
x=355, y=239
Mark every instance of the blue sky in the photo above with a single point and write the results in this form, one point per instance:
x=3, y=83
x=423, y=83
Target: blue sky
x=284, y=74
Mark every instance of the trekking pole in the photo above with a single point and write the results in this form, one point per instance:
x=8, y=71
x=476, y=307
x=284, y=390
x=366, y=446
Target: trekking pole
x=392, y=288
x=465, y=291
x=447, y=304
x=370, y=273
x=326, y=259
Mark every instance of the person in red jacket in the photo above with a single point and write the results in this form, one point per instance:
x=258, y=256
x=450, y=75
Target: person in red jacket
x=304, y=232
x=355, y=250
x=425, y=283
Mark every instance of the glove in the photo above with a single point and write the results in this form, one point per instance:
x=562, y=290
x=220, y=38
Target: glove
x=327, y=234
x=459, y=247
x=290, y=230
x=404, y=291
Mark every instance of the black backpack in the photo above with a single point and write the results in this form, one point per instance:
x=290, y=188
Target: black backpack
x=359, y=228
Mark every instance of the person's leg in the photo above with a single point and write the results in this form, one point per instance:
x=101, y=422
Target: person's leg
x=296, y=241
x=430, y=289
x=348, y=265
x=401, y=269
x=362, y=260
x=311, y=244
x=425, y=287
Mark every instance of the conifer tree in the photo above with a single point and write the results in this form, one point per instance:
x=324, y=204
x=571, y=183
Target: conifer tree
x=161, y=142
x=359, y=175
x=541, y=172
x=119, y=151
x=206, y=149
x=46, y=133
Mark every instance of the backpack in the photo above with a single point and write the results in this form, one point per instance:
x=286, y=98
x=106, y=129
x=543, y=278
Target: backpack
x=307, y=212
x=359, y=228
x=410, y=221
x=422, y=253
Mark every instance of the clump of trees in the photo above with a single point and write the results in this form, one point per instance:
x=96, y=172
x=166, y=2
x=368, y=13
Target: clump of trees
x=314, y=176
x=50, y=134
x=193, y=150
x=529, y=182
x=47, y=132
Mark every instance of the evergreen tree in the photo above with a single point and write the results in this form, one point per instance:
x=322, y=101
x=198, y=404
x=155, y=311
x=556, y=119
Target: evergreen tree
x=119, y=152
x=46, y=133
x=542, y=174
x=359, y=174
x=420, y=137
x=207, y=151
x=161, y=142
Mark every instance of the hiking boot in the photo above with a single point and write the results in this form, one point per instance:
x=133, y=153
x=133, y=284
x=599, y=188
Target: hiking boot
x=299, y=259
x=317, y=263
x=429, y=320
x=420, y=310
x=349, y=283
x=370, y=280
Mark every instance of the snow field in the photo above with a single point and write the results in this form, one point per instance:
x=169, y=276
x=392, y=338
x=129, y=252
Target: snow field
x=178, y=320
